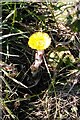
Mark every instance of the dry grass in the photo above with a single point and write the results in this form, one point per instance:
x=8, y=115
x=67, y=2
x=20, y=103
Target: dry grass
x=53, y=92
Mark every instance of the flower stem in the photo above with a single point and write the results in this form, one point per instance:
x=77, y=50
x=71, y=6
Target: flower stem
x=38, y=60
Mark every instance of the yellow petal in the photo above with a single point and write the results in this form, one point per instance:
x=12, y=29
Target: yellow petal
x=39, y=41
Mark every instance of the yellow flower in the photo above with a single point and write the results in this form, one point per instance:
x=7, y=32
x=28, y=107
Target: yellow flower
x=39, y=41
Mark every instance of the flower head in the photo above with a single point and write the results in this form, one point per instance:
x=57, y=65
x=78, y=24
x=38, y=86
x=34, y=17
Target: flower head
x=39, y=41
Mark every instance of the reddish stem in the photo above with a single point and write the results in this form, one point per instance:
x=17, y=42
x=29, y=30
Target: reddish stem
x=38, y=60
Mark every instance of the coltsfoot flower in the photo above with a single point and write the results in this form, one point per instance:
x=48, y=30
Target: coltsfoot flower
x=39, y=41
